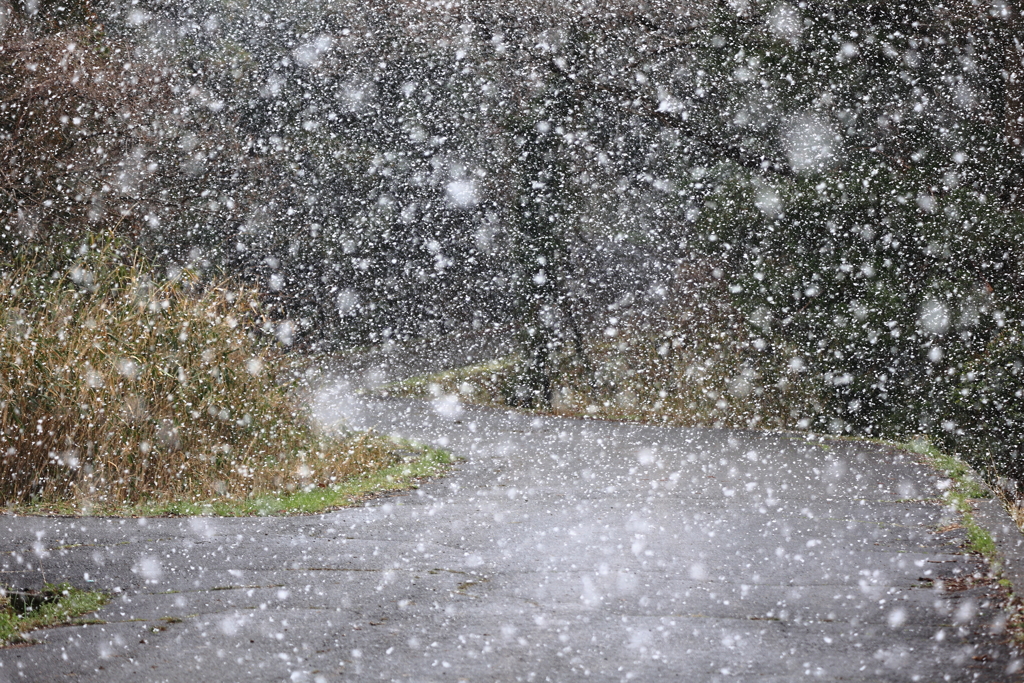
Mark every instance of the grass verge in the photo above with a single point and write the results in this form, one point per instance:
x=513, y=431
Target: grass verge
x=965, y=486
x=410, y=464
x=414, y=464
x=55, y=605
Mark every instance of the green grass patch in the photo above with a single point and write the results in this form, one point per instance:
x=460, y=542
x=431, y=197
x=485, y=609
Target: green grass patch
x=965, y=485
x=55, y=605
x=410, y=464
x=979, y=540
x=415, y=463
x=965, y=482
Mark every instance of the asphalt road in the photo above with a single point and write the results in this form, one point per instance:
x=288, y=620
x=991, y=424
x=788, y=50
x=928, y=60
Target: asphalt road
x=558, y=550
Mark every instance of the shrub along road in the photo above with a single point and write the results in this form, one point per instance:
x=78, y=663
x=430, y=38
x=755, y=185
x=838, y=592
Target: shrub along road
x=557, y=550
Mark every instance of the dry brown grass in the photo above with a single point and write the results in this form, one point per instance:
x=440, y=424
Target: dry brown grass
x=117, y=388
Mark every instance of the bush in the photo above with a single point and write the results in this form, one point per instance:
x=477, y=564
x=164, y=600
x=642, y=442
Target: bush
x=985, y=422
x=117, y=387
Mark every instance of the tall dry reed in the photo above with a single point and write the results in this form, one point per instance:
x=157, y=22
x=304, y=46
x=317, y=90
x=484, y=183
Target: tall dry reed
x=117, y=387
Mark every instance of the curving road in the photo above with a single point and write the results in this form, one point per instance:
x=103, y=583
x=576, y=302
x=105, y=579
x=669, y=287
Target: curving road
x=558, y=550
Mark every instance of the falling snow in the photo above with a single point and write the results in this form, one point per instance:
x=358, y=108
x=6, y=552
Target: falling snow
x=664, y=278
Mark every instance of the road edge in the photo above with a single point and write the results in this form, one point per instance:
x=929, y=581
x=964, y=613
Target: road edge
x=991, y=515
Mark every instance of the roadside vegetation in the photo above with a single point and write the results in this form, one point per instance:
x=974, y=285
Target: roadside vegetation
x=123, y=388
x=54, y=605
x=964, y=486
x=679, y=386
x=412, y=463
x=689, y=362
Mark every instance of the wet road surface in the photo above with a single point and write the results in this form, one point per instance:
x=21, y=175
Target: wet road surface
x=557, y=550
